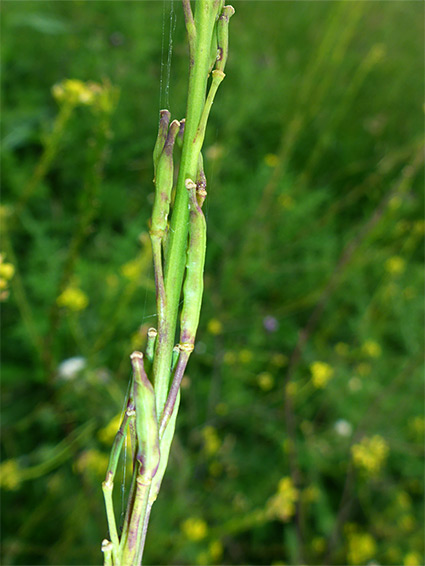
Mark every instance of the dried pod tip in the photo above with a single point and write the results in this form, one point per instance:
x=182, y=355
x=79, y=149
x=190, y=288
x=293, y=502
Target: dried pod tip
x=136, y=356
x=189, y=184
x=186, y=347
x=106, y=545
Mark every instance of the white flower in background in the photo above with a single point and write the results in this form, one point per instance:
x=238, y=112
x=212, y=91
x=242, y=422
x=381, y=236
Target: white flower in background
x=343, y=427
x=69, y=369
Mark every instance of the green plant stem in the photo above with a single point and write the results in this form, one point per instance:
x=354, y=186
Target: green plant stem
x=205, y=16
x=132, y=547
x=107, y=552
x=108, y=484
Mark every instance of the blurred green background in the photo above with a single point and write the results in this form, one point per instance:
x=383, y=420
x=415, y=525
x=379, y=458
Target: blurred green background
x=300, y=435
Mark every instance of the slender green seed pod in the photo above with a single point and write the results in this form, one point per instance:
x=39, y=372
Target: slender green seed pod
x=185, y=351
x=223, y=37
x=193, y=284
x=118, y=444
x=164, y=183
x=150, y=349
x=146, y=420
x=108, y=484
x=190, y=27
x=214, y=50
x=174, y=359
x=150, y=346
x=217, y=77
x=164, y=120
x=110, y=515
x=165, y=444
x=179, y=139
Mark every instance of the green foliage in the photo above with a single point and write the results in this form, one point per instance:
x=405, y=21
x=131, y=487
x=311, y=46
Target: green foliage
x=301, y=427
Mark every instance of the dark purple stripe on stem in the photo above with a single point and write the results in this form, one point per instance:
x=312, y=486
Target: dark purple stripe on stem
x=175, y=386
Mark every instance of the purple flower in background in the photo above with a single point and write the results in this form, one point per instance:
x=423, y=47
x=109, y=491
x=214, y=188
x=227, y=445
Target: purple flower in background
x=270, y=323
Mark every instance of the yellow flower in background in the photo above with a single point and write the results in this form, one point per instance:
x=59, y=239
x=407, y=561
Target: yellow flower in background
x=282, y=504
x=361, y=547
x=212, y=441
x=412, y=559
x=7, y=270
x=73, y=299
x=265, y=381
x=321, y=373
x=74, y=91
x=271, y=160
x=214, y=327
x=10, y=477
x=93, y=462
x=132, y=270
x=371, y=349
x=215, y=550
x=395, y=265
x=245, y=356
x=137, y=340
x=108, y=433
x=370, y=454
x=194, y=529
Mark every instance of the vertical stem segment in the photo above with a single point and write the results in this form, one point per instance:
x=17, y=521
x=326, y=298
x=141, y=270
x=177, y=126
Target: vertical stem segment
x=205, y=17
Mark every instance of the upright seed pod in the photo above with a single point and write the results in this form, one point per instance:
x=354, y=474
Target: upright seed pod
x=223, y=37
x=164, y=120
x=179, y=139
x=194, y=280
x=146, y=420
x=161, y=208
x=150, y=349
x=150, y=346
x=164, y=183
x=213, y=53
x=217, y=77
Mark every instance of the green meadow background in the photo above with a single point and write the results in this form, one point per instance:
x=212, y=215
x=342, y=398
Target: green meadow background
x=300, y=438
